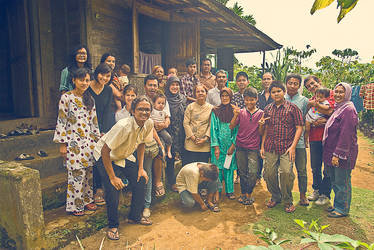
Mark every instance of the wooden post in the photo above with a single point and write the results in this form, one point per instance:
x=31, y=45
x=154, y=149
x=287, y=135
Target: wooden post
x=197, y=40
x=263, y=61
x=135, y=37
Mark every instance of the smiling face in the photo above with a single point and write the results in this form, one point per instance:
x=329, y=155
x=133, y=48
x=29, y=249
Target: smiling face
x=81, y=85
x=312, y=85
x=250, y=102
x=103, y=78
x=200, y=93
x=111, y=61
x=81, y=56
x=159, y=73
x=292, y=86
x=242, y=82
x=339, y=94
x=225, y=98
x=142, y=112
x=129, y=97
x=151, y=87
x=174, y=88
x=191, y=69
x=267, y=78
x=277, y=94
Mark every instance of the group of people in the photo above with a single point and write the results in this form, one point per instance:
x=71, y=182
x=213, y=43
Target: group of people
x=111, y=138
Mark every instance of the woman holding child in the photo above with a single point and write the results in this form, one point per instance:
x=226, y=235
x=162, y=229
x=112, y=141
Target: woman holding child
x=340, y=149
x=223, y=141
x=197, y=127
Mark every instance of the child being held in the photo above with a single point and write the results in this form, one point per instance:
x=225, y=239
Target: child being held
x=172, y=72
x=124, y=71
x=158, y=115
x=321, y=98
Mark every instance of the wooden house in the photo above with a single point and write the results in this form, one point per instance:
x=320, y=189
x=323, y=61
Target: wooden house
x=37, y=36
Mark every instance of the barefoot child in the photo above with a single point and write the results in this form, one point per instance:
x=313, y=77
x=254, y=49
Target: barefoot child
x=158, y=115
x=322, y=94
x=77, y=131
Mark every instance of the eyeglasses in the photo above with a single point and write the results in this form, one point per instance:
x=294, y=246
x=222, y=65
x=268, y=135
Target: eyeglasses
x=144, y=110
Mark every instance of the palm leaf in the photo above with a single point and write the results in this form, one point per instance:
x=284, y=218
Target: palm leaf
x=320, y=4
x=344, y=11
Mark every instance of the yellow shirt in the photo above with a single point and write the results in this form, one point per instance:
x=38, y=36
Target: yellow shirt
x=123, y=139
x=197, y=122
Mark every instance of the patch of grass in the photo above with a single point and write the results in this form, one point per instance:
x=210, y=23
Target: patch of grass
x=355, y=226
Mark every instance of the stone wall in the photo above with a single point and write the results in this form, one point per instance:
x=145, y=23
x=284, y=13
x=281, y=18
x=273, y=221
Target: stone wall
x=21, y=212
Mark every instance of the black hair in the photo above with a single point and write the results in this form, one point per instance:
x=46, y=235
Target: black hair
x=250, y=92
x=72, y=63
x=125, y=69
x=139, y=99
x=324, y=91
x=241, y=73
x=105, y=56
x=199, y=85
x=307, y=79
x=210, y=171
x=81, y=73
x=102, y=68
x=277, y=84
x=296, y=76
x=268, y=72
x=130, y=87
x=150, y=77
x=190, y=61
x=158, y=95
x=206, y=59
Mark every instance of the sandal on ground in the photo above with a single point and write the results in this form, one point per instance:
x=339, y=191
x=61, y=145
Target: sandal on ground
x=213, y=208
x=271, y=203
x=335, y=214
x=231, y=196
x=330, y=209
x=289, y=208
x=99, y=199
x=248, y=202
x=242, y=198
x=24, y=157
x=112, y=234
x=304, y=203
x=78, y=213
x=160, y=190
x=91, y=207
x=41, y=153
x=143, y=221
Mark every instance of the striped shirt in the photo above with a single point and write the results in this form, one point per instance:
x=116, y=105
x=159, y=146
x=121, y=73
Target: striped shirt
x=281, y=127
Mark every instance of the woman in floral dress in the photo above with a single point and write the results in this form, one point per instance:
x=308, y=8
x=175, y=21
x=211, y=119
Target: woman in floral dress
x=77, y=131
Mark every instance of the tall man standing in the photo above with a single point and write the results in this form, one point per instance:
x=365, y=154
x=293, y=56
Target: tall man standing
x=206, y=77
x=189, y=81
x=214, y=97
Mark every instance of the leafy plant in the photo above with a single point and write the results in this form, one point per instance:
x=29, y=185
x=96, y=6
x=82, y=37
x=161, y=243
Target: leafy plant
x=345, y=6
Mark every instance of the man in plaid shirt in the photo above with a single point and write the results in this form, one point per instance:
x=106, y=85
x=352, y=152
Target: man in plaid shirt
x=282, y=132
x=189, y=81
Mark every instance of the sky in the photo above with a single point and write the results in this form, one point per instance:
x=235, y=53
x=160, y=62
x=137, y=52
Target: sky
x=289, y=22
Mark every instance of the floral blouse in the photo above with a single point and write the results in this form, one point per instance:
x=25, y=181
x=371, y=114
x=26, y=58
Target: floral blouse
x=78, y=128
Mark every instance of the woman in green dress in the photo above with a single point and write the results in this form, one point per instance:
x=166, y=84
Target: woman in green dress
x=223, y=141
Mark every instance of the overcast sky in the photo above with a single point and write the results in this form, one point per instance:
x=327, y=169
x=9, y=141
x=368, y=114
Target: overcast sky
x=290, y=23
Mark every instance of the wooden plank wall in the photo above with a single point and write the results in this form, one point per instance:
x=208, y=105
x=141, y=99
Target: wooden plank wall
x=182, y=43
x=109, y=30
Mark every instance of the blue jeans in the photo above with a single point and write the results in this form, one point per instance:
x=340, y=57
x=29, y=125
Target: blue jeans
x=341, y=184
x=187, y=198
x=319, y=183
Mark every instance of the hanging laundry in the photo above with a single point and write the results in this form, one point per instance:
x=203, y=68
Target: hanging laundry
x=356, y=98
x=367, y=92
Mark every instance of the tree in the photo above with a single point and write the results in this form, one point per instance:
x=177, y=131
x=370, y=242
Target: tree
x=345, y=6
x=239, y=10
x=346, y=55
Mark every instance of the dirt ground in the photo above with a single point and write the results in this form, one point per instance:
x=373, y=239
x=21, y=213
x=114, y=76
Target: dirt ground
x=178, y=228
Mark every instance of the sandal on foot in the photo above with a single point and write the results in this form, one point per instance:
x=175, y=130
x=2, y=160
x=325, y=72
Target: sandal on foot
x=242, y=198
x=112, y=234
x=213, y=208
x=24, y=157
x=289, y=208
x=231, y=196
x=79, y=213
x=143, y=221
x=335, y=214
x=271, y=203
x=98, y=198
x=160, y=190
x=249, y=201
x=304, y=203
x=330, y=209
x=91, y=207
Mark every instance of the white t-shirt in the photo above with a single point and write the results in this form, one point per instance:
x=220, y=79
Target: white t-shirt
x=188, y=178
x=123, y=113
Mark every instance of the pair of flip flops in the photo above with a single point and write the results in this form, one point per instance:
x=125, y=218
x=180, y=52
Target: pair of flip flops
x=25, y=157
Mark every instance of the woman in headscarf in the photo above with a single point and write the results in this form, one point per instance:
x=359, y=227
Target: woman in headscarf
x=223, y=141
x=177, y=104
x=340, y=149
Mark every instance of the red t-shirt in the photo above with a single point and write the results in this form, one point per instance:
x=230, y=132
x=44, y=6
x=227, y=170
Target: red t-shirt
x=316, y=133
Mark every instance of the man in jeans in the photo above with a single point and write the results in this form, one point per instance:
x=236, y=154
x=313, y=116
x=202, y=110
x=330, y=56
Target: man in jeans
x=321, y=185
x=195, y=177
x=293, y=83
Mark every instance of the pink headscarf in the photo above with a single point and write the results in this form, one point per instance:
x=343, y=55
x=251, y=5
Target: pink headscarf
x=339, y=107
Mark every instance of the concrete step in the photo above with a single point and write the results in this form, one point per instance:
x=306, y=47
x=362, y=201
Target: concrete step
x=47, y=166
x=13, y=146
